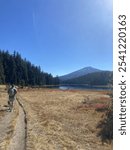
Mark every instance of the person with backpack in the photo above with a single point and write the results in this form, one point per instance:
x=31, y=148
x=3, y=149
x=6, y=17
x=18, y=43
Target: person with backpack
x=12, y=91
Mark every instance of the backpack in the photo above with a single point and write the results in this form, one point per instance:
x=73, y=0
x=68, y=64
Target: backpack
x=12, y=92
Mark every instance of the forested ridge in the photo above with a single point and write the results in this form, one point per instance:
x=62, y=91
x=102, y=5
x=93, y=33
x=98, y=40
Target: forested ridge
x=14, y=69
x=96, y=78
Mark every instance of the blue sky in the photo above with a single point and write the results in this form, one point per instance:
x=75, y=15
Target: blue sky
x=61, y=36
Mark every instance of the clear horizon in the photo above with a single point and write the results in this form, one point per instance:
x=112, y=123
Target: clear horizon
x=59, y=36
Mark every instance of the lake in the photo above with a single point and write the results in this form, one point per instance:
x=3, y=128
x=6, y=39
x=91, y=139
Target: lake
x=84, y=87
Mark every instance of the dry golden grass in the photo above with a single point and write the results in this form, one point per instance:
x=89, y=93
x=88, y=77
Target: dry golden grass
x=2, y=86
x=58, y=120
x=3, y=101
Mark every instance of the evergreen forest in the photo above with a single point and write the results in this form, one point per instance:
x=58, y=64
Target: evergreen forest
x=16, y=70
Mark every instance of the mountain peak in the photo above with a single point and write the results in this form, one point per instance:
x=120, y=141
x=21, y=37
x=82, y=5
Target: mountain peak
x=78, y=73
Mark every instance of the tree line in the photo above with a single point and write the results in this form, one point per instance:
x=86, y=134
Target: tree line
x=16, y=70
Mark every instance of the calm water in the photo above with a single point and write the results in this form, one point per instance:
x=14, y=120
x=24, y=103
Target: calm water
x=83, y=87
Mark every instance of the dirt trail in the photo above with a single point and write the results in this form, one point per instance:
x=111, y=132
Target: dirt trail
x=12, y=126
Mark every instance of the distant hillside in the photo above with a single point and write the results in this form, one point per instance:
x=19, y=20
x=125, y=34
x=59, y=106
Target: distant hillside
x=79, y=73
x=96, y=78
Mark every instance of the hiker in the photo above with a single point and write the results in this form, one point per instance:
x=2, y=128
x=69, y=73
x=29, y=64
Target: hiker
x=12, y=91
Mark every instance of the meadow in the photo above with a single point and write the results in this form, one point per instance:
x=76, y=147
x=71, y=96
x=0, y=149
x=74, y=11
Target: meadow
x=63, y=119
